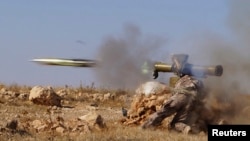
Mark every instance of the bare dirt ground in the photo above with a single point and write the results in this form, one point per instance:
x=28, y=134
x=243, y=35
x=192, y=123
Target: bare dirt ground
x=23, y=120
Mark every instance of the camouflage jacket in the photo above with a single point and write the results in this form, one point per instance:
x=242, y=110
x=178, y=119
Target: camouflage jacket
x=189, y=85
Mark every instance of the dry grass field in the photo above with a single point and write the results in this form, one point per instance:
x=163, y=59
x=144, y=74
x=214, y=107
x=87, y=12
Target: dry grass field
x=79, y=101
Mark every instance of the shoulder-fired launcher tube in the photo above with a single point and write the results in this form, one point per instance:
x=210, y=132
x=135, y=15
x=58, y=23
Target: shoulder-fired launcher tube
x=190, y=69
x=202, y=71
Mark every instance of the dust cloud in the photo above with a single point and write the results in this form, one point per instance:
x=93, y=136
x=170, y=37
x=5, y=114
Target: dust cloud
x=232, y=52
x=122, y=58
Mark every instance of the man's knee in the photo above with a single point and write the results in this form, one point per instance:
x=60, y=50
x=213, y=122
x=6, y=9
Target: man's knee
x=182, y=127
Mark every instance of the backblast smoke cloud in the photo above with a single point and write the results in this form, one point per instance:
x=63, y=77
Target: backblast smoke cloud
x=122, y=58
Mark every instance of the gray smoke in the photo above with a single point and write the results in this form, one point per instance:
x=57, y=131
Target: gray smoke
x=122, y=58
x=233, y=54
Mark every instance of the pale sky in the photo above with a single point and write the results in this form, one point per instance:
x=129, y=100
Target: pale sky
x=75, y=29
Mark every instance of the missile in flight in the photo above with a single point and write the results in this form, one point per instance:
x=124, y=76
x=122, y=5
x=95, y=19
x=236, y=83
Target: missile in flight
x=66, y=62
